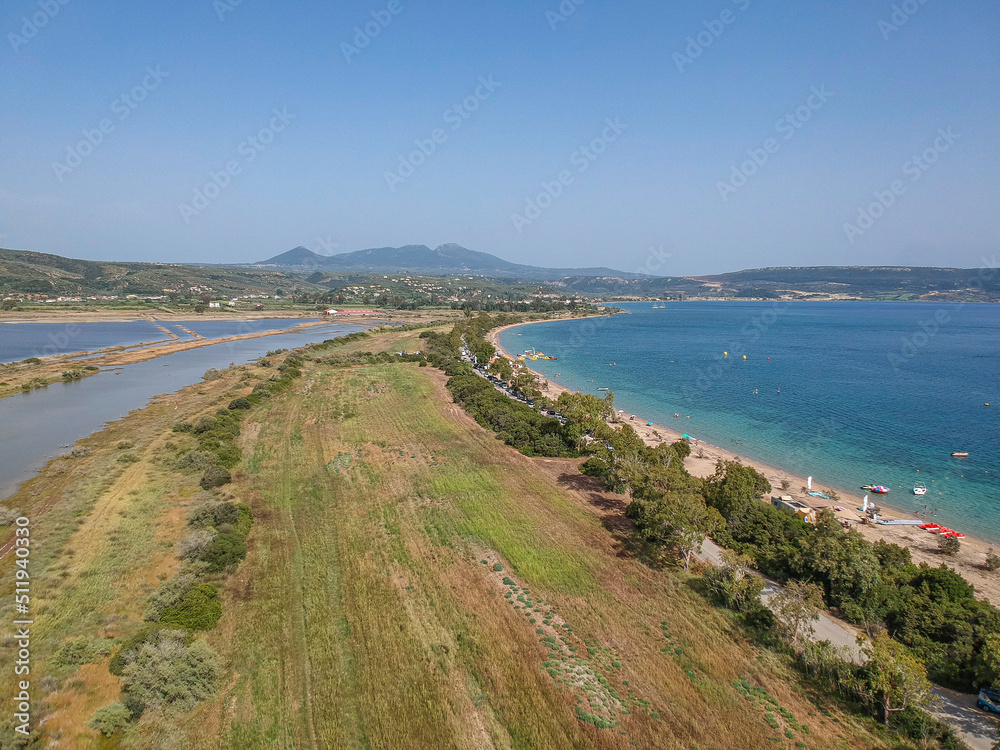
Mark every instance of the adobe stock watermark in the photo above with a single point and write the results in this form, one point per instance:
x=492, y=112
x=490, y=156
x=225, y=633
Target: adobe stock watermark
x=32, y=25
x=655, y=260
x=714, y=28
x=364, y=35
x=915, y=169
x=249, y=149
x=223, y=8
x=454, y=117
x=562, y=12
x=582, y=159
x=900, y=16
x=786, y=127
x=122, y=107
x=927, y=329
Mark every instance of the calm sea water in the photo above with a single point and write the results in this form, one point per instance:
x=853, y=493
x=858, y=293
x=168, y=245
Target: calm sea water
x=850, y=393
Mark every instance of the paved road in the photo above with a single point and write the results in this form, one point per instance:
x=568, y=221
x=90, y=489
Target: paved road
x=973, y=726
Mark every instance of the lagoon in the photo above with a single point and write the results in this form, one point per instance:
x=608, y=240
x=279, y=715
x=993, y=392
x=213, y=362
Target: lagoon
x=42, y=424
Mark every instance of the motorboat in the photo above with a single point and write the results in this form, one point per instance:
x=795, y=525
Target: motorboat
x=960, y=454
x=919, y=488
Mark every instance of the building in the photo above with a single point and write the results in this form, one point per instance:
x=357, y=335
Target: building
x=790, y=504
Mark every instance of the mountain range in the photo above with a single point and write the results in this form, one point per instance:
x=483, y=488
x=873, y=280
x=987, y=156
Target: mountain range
x=444, y=260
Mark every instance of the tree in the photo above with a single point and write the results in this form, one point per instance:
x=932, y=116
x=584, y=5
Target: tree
x=681, y=520
x=991, y=660
x=734, y=584
x=501, y=367
x=896, y=677
x=992, y=560
x=949, y=545
x=795, y=607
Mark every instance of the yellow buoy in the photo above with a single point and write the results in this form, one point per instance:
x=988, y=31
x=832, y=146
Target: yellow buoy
x=744, y=356
x=725, y=354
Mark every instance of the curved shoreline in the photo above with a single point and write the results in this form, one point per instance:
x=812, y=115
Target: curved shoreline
x=922, y=544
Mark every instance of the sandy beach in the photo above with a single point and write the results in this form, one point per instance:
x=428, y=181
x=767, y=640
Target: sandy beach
x=923, y=546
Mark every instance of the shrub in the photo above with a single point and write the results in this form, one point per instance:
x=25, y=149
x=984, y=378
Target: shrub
x=225, y=550
x=8, y=516
x=128, y=458
x=992, y=560
x=594, y=467
x=70, y=375
x=167, y=594
x=239, y=404
x=211, y=374
x=197, y=609
x=213, y=513
x=193, y=546
x=215, y=476
x=110, y=719
x=129, y=647
x=228, y=455
x=32, y=361
x=168, y=673
x=194, y=461
x=949, y=545
x=183, y=427
x=76, y=652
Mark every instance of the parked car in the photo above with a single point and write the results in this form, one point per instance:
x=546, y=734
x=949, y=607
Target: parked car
x=989, y=699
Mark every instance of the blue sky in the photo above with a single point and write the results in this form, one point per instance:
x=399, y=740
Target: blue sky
x=700, y=164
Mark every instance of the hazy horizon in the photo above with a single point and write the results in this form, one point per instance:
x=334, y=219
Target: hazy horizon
x=718, y=137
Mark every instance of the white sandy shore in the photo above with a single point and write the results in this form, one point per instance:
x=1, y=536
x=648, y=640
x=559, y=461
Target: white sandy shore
x=923, y=545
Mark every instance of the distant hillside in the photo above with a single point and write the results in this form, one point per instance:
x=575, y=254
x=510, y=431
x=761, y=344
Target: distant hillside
x=24, y=272
x=419, y=259
x=843, y=282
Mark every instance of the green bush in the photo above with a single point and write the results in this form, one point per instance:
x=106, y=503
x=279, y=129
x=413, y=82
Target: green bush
x=215, y=476
x=168, y=593
x=76, y=652
x=992, y=560
x=110, y=719
x=949, y=545
x=224, y=551
x=169, y=673
x=194, y=461
x=129, y=647
x=239, y=404
x=197, y=609
x=213, y=514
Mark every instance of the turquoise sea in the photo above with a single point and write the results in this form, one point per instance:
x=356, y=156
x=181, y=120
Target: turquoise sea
x=850, y=393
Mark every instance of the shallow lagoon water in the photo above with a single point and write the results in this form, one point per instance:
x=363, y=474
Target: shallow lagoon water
x=22, y=340
x=870, y=393
x=38, y=426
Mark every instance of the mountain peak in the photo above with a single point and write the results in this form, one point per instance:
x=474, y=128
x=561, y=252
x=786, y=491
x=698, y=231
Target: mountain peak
x=298, y=256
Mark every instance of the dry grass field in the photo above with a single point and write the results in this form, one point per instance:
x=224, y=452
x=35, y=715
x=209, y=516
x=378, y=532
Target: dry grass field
x=410, y=583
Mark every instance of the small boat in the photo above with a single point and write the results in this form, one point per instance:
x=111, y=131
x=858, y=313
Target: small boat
x=867, y=487
x=919, y=488
x=960, y=454
x=604, y=389
x=879, y=489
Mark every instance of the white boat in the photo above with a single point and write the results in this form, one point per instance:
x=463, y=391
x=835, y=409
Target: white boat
x=919, y=488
